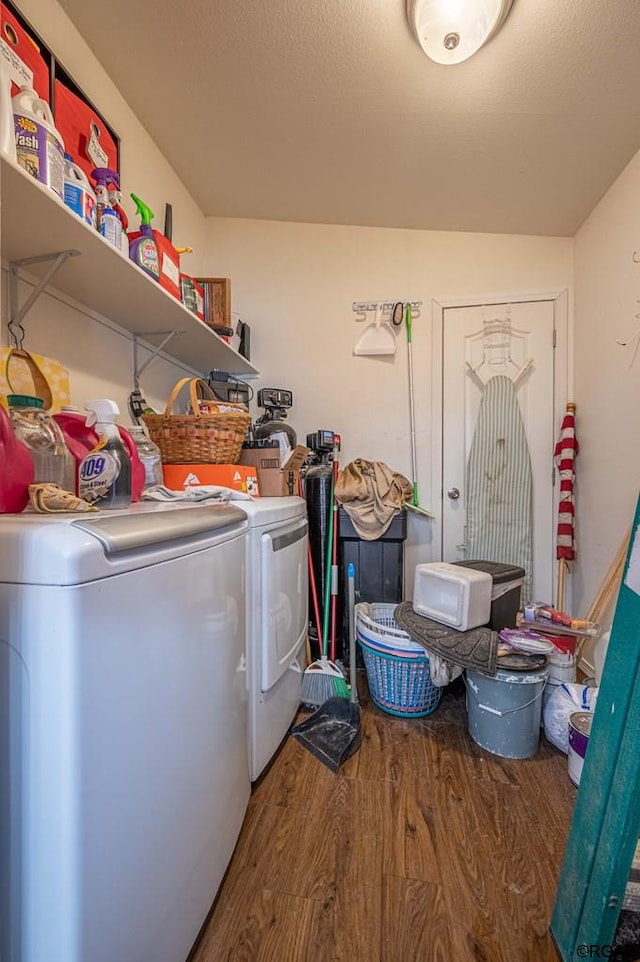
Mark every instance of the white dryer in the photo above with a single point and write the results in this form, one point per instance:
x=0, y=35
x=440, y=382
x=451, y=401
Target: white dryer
x=277, y=620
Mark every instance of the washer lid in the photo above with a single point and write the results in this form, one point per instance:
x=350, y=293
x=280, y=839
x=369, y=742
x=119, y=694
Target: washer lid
x=69, y=549
x=262, y=511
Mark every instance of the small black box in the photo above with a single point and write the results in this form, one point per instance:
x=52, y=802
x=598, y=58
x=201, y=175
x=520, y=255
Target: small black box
x=504, y=608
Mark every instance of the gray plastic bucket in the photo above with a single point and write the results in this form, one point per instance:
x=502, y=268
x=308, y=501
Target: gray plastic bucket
x=504, y=711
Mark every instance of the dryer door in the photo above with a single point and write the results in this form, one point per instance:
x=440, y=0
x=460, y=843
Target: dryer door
x=284, y=598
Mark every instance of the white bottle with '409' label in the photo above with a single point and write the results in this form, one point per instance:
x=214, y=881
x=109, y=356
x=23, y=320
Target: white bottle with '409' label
x=105, y=473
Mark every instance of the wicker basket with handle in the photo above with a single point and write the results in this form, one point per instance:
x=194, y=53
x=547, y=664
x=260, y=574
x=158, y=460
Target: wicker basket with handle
x=199, y=437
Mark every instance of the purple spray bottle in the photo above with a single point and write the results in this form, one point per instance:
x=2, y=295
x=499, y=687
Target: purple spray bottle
x=108, y=222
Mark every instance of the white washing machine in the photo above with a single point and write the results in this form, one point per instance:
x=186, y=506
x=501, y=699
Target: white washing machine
x=123, y=729
x=277, y=620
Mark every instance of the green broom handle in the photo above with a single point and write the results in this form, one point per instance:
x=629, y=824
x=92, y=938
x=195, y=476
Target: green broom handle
x=327, y=587
x=412, y=416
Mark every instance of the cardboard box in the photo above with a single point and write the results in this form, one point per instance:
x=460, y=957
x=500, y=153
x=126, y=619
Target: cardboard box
x=276, y=480
x=236, y=476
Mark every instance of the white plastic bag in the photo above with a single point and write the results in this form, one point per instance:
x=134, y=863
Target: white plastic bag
x=566, y=699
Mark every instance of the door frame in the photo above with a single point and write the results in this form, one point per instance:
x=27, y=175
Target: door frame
x=562, y=384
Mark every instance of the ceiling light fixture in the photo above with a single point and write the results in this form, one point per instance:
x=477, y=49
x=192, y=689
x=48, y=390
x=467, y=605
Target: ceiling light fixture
x=450, y=31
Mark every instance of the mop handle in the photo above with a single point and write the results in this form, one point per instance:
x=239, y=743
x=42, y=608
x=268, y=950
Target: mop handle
x=314, y=596
x=351, y=596
x=414, y=473
x=327, y=592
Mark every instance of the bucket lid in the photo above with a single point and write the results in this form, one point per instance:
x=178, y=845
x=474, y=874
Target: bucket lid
x=519, y=661
x=581, y=721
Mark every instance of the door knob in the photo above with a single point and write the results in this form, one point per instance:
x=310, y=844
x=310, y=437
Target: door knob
x=453, y=493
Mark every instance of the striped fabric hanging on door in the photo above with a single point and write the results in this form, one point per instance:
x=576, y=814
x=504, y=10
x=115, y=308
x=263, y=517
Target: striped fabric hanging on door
x=500, y=483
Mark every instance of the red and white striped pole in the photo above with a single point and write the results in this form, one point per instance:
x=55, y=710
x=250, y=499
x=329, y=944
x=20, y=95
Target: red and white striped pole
x=565, y=454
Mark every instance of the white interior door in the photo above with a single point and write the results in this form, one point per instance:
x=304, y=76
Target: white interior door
x=478, y=342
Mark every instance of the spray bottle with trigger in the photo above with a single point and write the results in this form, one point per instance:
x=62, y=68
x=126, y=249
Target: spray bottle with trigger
x=108, y=222
x=114, y=200
x=143, y=250
x=104, y=477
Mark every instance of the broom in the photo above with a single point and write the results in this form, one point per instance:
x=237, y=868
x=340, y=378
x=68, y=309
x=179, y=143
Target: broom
x=323, y=679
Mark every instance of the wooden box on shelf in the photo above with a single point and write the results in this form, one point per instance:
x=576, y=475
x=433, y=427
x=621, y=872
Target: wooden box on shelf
x=217, y=301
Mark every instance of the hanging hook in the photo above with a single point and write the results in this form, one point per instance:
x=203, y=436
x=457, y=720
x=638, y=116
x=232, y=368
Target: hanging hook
x=635, y=337
x=16, y=339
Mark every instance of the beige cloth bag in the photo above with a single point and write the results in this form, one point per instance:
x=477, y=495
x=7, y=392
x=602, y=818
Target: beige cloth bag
x=372, y=494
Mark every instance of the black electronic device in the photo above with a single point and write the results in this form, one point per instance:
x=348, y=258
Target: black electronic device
x=321, y=441
x=275, y=401
x=275, y=397
x=227, y=387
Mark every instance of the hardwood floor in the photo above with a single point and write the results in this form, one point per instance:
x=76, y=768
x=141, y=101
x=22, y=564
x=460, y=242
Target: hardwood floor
x=424, y=848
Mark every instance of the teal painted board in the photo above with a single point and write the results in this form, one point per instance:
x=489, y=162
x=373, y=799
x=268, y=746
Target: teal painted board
x=606, y=820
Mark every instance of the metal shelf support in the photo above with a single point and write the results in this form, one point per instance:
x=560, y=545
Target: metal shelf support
x=17, y=314
x=139, y=368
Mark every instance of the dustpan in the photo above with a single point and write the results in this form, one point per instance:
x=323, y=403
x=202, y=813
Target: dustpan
x=377, y=338
x=333, y=733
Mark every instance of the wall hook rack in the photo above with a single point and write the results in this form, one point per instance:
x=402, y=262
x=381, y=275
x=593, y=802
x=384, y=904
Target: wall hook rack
x=17, y=314
x=139, y=368
x=384, y=307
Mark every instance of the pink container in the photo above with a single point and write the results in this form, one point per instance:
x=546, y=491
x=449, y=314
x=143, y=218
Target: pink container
x=16, y=468
x=82, y=439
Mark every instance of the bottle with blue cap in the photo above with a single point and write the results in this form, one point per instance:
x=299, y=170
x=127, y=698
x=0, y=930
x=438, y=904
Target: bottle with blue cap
x=78, y=193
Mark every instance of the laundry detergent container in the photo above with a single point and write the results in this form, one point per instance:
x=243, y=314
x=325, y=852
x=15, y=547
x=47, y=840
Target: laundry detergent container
x=460, y=598
x=505, y=592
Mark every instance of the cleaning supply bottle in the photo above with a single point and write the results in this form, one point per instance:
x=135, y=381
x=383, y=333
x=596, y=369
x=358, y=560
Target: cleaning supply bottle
x=143, y=250
x=39, y=146
x=107, y=221
x=105, y=473
x=149, y=454
x=37, y=429
x=114, y=201
x=7, y=129
x=78, y=193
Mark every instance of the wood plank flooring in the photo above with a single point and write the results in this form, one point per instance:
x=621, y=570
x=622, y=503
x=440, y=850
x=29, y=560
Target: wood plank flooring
x=424, y=848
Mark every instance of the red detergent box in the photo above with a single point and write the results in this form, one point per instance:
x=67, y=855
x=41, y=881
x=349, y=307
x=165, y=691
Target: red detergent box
x=87, y=137
x=192, y=295
x=26, y=58
x=169, y=261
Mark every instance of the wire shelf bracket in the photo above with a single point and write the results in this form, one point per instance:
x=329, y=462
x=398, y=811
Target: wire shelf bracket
x=139, y=368
x=16, y=313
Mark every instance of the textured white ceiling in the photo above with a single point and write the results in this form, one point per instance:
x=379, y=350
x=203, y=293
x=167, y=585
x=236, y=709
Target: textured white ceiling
x=327, y=111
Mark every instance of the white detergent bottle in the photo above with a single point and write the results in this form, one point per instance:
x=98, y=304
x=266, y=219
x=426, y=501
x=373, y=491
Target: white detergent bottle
x=7, y=130
x=39, y=146
x=104, y=478
x=78, y=193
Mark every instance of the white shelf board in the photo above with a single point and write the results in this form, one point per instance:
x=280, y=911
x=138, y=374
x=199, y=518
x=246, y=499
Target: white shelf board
x=35, y=222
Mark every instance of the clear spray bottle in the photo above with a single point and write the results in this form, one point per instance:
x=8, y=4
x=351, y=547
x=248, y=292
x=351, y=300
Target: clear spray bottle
x=105, y=473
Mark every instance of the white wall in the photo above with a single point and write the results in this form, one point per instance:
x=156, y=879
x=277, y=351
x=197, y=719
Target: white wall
x=607, y=380
x=295, y=284
x=99, y=359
